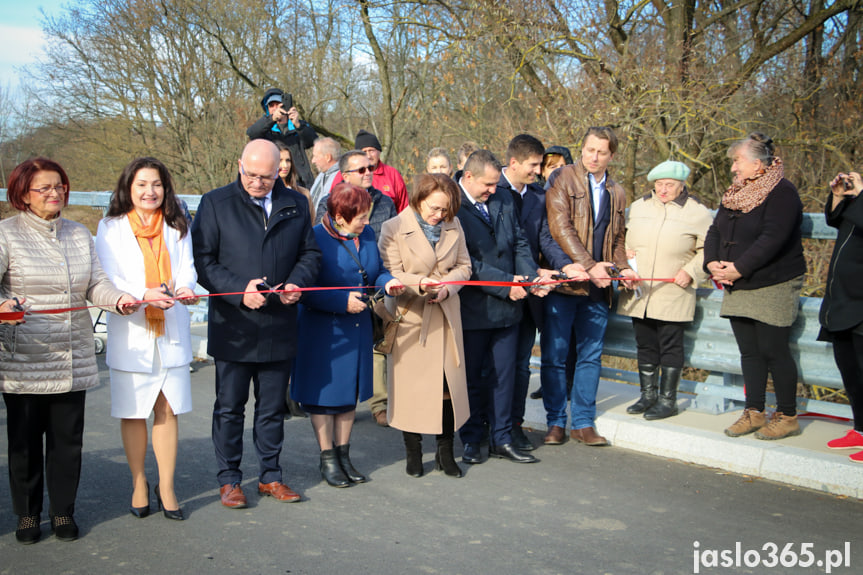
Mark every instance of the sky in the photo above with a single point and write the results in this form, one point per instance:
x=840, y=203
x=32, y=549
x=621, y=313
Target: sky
x=21, y=35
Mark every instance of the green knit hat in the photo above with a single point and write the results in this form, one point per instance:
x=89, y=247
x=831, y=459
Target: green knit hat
x=669, y=170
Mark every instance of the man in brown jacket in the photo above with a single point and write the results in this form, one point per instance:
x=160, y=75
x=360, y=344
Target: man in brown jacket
x=586, y=219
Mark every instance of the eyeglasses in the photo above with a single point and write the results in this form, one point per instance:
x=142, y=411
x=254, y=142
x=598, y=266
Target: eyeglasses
x=361, y=170
x=257, y=179
x=45, y=190
x=435, y=209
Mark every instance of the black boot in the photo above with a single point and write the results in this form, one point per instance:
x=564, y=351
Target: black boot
x=648, y=374
x=331, y=471
x=443, y=458
x=414, y=451
x=667, y=404
x=344, y=457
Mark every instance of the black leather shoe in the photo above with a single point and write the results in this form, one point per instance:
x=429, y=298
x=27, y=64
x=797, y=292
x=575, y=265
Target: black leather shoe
x=175, y=514
x=507, y=451
x=141, y=512
x=536, y=394
x=64, y=527
x=28, y=531
x=520, y=440
x=472, y=453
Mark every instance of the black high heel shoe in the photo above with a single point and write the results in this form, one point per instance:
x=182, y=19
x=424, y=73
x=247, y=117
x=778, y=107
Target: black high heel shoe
x=141, y=512
x=175, y=514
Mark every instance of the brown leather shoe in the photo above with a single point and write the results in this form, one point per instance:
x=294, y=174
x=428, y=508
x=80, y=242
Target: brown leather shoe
x=232, y=496
x=556, y=435
x=278, y=490
x=381, y=418
x=588, y=436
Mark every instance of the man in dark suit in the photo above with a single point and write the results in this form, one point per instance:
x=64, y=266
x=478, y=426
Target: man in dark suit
x=491, y=314
x=253, y=233
x=523, y=159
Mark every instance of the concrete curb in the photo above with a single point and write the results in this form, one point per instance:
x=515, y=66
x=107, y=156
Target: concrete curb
x=699, y=438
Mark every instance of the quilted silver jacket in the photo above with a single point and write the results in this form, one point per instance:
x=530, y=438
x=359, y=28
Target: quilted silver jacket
x=53, y=265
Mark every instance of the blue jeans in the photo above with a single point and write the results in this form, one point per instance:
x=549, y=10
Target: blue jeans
x=568, y=316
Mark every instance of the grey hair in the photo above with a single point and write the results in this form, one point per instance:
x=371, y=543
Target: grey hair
x=757, y=146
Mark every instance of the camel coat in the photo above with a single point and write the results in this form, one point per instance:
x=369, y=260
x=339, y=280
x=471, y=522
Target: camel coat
x=665, y=238
x=428, y=344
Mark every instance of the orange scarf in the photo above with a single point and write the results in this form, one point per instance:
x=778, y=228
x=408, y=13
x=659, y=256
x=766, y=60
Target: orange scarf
x=157, y=264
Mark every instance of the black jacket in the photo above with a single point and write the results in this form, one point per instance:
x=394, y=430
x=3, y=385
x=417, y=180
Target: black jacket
x=497, y=253
x=232, y=245
x=298, y=141
x=764, y=244
x=842, y=307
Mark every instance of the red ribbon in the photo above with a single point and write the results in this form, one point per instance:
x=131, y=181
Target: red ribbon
x=19, y=315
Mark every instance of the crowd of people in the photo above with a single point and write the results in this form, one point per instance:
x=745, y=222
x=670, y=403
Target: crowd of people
x=427, y=304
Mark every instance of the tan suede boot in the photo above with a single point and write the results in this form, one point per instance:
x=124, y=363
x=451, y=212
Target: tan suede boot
x=750, y=420
x=780, y=426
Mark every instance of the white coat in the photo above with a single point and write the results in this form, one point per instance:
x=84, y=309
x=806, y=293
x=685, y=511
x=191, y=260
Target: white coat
x=130, y=347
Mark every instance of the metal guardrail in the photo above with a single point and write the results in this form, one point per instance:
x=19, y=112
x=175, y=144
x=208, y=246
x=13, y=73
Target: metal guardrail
x=709, y=343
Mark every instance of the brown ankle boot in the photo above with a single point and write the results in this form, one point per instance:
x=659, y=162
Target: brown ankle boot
x=750, y=420
x=779, y=426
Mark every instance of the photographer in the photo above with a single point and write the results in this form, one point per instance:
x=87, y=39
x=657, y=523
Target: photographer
x=281, y=122
x=842, y=307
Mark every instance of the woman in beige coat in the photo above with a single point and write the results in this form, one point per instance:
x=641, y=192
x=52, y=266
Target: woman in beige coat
x=665, y=230
x=423, y=247
x=48, y=360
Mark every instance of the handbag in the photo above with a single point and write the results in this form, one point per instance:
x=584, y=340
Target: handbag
x=386, y=310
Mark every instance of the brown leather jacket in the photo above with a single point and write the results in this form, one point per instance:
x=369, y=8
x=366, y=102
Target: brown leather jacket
x=570, y=222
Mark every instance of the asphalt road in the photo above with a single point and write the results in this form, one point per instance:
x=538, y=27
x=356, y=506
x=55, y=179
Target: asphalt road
x=580, y=510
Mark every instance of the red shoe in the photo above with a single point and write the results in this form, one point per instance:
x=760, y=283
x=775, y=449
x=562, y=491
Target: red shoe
x=856, y=457
x=852, y=439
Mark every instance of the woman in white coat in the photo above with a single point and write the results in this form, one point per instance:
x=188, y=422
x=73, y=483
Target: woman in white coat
x=145, y=247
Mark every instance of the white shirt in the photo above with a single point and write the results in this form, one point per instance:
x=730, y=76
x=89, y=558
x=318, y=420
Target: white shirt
x=520, y=192
x=596, y=192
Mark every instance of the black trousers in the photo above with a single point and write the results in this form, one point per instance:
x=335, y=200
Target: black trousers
x=659, y=342
x=270, y=381
x=59, y=417
x=764, y=348
x=848, y=353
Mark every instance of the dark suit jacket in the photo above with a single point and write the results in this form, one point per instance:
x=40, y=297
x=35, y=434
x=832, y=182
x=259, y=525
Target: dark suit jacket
x=497, y=253
x=232, y=245
x=532, y=221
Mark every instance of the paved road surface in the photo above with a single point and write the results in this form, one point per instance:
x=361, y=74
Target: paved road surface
x=580, y=510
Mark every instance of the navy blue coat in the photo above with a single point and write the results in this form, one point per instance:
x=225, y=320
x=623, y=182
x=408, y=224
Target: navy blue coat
x=497, y=253
x=532, y=218
x=232, y=245
x=334, y=359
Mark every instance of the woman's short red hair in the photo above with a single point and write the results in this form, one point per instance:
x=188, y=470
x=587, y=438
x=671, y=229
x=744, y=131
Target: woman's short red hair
x=348, y=200
x=22, y=178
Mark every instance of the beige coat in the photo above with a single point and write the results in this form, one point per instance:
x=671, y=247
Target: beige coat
x=428, y=345
x=52, y=264
x=666, y=238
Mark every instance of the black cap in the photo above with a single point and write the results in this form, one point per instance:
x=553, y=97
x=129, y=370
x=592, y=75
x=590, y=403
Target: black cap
x=560, y=151
x=367, y=140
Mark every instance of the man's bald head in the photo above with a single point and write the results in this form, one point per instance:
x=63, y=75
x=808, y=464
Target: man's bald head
x=259, y=167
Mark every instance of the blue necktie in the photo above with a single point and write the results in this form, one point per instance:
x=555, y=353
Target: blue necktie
x=484, y=211
x=263, y=203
